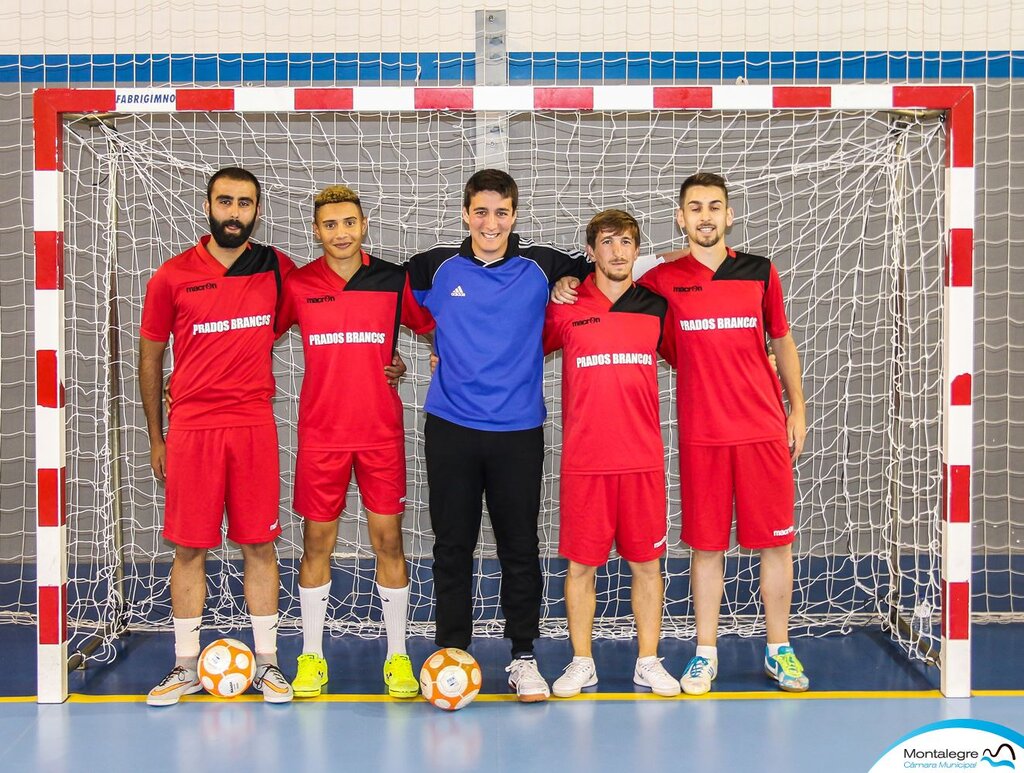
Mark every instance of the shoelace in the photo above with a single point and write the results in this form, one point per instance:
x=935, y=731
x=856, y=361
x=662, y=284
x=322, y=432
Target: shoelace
x=263, y=674
x=517, y=667
x=177, y=674
x=578, y=668
x=651, y=666
x=788, y=663
x=697, y=666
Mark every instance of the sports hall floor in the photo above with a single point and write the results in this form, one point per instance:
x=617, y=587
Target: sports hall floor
x=864, y=697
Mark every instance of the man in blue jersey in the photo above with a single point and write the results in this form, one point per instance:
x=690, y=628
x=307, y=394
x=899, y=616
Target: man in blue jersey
x=485, y=409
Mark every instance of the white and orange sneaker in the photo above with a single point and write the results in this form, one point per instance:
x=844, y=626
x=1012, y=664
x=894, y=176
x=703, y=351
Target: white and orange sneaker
x=180, y=681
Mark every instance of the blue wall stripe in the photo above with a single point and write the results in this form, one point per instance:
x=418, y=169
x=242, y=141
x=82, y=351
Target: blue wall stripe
x=540, y=67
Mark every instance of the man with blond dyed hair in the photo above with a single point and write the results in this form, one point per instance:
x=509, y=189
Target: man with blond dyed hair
x=348, y=306
x=612, y=471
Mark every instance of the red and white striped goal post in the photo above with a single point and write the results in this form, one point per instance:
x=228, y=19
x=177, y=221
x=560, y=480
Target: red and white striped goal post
x=50, y=105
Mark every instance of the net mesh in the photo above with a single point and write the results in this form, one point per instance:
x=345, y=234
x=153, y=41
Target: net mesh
x=847, y=204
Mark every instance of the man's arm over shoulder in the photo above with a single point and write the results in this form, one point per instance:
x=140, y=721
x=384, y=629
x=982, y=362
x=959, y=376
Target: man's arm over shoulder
x=415, y=316
x=557, y=263
x=667, y=345
x=286, y=264
x=287, y=314
x=423, y=266
x=652, y=278
x=554, y=316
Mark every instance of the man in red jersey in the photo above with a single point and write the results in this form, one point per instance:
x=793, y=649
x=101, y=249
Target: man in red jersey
x=218, y=300
x=737, y=443
x=348, y=306
x=613, y=468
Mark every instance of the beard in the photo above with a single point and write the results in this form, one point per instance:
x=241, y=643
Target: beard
x=230, y=241
x=705, y=241
x=616, y=273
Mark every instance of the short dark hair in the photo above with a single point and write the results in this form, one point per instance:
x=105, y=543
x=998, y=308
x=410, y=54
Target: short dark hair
x=233, y=173
x=491, y=180
x=614, y=221
x=703, y=180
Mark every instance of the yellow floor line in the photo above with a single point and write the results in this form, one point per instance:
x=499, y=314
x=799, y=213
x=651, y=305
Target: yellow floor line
x=614, y=696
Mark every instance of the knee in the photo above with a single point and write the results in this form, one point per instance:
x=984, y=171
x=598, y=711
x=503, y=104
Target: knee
x=581, y=572
x=318, y=541
x=708, y=557
x=647, y=570
x=262, y=553
x=779, y=552
x=387, y=543
x=189, y=556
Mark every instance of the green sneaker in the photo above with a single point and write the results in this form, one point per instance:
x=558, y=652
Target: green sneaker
x=785, y=669
x=399, y=679
x=310, y=676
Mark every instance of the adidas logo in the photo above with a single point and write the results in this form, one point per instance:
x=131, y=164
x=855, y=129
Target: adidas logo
x=458, y=292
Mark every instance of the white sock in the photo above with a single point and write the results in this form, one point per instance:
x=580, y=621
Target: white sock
x=186, y=641
x=313, y=603
x=711, y=653
x=395, y=603
x=773, y=649
x=264, y=637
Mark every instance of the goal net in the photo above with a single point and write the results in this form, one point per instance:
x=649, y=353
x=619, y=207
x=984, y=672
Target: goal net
x=849, y=204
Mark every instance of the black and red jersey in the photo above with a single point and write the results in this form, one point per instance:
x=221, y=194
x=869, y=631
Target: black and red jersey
x=610, y=419
x=222, y=322
x=728, y=392
x=348, y=331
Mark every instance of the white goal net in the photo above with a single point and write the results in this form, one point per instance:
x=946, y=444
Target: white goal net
x=848, y=204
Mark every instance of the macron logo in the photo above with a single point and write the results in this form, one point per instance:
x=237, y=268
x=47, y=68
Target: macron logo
x=782, y=532
x=458, y=292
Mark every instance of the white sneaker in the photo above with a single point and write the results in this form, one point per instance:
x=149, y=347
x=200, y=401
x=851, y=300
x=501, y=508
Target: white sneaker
x=650, y=673
x=526, y=680
x=271, y=682
x=580, y=673
x=181, y=681
x=698, y=676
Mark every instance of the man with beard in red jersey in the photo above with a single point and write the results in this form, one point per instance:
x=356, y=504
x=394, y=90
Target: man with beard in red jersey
x=218, y=300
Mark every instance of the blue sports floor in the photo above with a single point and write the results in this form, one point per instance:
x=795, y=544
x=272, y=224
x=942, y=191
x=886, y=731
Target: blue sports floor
x=864, y=696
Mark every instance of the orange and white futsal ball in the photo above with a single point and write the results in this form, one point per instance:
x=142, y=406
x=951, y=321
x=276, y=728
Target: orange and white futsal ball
x=450, y=679
x=226, y=668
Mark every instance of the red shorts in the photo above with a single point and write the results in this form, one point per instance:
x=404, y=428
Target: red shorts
x=210, y=469
x=322, y=478
x=598, y=509
x=756, y=477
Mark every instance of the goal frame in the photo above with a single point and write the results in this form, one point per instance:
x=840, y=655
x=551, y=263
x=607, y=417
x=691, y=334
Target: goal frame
x=50, y=106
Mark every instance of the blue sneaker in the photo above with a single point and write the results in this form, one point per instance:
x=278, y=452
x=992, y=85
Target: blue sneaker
x=785, y=669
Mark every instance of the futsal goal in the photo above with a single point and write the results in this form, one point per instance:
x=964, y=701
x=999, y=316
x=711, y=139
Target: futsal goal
x=861, y=195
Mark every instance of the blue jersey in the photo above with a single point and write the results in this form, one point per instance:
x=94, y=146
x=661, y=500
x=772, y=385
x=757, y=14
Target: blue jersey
x=490, y=317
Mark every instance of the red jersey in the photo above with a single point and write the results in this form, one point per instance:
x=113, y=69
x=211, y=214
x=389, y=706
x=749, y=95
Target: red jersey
x=348, y=334
x=610, y=419
x=728, y=392
x=222, y=321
